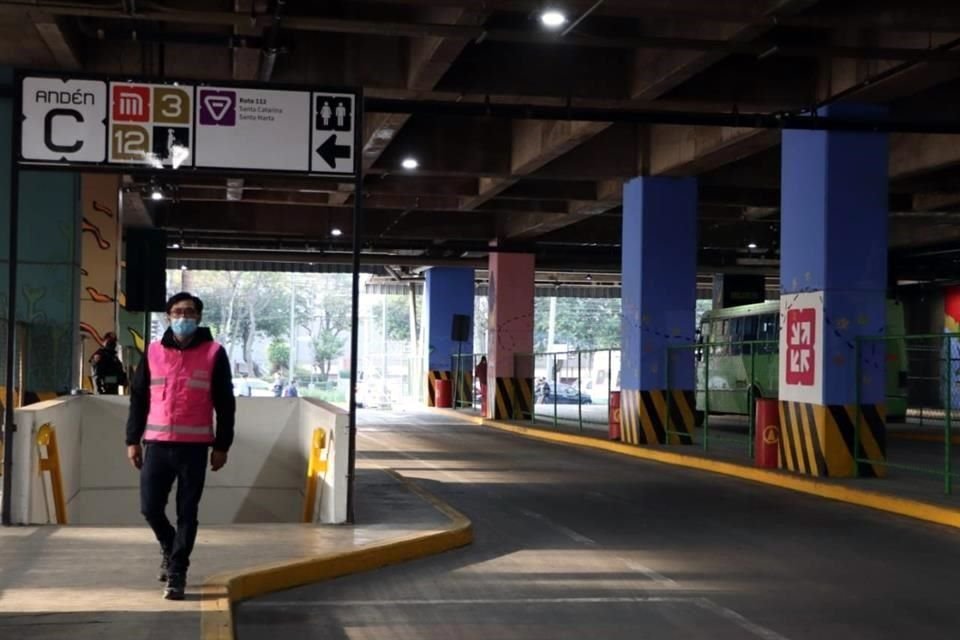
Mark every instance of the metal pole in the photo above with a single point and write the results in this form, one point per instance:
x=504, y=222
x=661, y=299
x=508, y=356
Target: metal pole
x=857, y=352
x=579, y=399
x=14, y=203
x=355, y=302
x=706, y=397
x=667, y=431
x=555, y=421
x=752, y=400
x=948, y=425
x=292, y=354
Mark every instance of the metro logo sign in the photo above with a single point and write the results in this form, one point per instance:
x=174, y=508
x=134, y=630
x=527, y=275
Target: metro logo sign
x=801, y=341
x=130, y=103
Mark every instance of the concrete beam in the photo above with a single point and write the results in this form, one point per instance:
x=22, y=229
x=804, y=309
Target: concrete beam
x=60, y=45
x=429, y=59
x=939, y=201
x=684, y=151
x=914, y=154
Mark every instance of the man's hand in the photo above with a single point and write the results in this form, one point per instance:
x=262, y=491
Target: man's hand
x=217, y=459
x=135, y=454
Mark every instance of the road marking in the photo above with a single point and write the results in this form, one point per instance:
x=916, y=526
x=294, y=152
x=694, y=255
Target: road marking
x=568, y=532
x=739, y=620
x=657, y=577
x=261, y=604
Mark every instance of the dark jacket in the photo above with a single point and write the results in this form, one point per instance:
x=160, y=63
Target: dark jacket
x=221, y=387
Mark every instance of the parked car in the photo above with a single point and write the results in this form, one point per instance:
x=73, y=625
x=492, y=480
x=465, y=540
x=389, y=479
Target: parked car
x=567, y=394
x=258, y=388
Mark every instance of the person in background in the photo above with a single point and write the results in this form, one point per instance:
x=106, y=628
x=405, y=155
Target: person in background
x=245, y=390
x=106, y=368
x=481, y=375
x=277, y=385
x=184, y=379
x=291, y=390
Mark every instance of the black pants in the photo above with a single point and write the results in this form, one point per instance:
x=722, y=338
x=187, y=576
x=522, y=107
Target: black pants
x=162, y=465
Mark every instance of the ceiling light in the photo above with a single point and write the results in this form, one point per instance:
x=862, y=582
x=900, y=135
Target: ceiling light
x=336, y=232
x=589, y=278
x=175, y=245
x=183, y=267
x=156, y=194
x=409, y=164
x=552, y=18
x=752, y=245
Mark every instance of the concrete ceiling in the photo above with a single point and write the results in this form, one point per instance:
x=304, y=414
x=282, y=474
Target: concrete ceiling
x=548, y=185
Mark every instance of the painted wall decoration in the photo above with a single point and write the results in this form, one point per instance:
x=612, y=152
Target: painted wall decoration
x=100, y=251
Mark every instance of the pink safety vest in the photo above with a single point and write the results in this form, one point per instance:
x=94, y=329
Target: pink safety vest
x=181, y=405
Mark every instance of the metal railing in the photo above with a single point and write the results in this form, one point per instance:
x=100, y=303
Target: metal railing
x=924, y=443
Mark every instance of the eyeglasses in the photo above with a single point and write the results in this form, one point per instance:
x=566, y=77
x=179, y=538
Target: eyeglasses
x=183, y=313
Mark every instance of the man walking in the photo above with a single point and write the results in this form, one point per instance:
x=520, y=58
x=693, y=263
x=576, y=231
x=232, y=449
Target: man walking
x=181, y=382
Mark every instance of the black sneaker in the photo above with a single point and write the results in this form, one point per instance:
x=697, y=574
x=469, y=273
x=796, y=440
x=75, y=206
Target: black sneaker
x=164, y=565
x=176, y=586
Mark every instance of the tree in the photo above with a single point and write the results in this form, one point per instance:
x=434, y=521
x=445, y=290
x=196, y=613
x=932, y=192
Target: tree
x=239, y=307
x=398, y=318
x=581, y=323
x=331, y=321
x=279, y=354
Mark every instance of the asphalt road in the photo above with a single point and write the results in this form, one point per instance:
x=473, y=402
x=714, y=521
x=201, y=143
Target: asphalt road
x=573, y=543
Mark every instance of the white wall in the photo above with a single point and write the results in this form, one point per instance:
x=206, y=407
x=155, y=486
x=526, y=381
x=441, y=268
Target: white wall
x=263, y=481
x=332, y=490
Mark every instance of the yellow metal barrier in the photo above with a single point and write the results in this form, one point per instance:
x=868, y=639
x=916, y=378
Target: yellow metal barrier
x=47, y=437
x=316, y=465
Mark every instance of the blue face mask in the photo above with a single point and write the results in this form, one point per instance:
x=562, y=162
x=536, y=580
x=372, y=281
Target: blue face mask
x=183, y=327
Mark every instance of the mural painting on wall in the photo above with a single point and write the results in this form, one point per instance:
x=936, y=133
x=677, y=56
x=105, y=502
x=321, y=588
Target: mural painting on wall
x=99, y=265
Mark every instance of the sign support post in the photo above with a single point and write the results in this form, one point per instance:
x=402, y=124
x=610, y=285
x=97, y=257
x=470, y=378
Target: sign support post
x=355, y=300
x=8, y=426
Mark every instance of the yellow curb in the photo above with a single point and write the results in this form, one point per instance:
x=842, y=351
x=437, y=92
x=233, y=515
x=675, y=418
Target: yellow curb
x=925, y=511
x=222, y=591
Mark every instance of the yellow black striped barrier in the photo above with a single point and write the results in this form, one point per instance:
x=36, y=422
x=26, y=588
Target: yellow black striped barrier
x=644, y=416
x=432, y=376
x=818, y=440
x=514, y=399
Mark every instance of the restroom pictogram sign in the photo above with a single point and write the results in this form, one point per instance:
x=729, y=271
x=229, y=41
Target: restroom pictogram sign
x=801, y=347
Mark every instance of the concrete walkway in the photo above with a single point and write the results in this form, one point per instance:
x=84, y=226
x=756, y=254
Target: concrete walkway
x=82, y=582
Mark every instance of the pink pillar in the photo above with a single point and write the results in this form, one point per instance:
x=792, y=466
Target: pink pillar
x=510, y=336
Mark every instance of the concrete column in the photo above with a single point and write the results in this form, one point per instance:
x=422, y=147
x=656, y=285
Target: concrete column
x=510, y=336
x=449, y=291
x=48, y=269
x=100, y=259
x=659, y=292
x=833, y=276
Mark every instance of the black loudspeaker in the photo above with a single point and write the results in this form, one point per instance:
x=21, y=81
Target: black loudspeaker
x=460, y=330
x=146, y=274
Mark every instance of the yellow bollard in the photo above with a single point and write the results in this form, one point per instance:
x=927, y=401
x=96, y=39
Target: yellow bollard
x=315, y=466
x=47, y=437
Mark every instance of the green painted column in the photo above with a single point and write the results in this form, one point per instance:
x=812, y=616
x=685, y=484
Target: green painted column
x=48, y=264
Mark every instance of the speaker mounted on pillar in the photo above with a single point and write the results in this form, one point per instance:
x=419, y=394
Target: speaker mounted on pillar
x=460, y=328
x=146, y=273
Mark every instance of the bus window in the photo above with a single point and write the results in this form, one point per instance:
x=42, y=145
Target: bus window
x=769, y=330
x=736, y=333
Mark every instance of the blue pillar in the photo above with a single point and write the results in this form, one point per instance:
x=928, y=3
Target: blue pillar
x=449, y=291
x=659, y=308
x=833, y=275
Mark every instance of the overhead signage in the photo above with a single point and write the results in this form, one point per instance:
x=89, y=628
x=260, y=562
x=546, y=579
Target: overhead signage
x=253, y=128
x=333, y=126
x=177, y=126
x=63, y=120
x=151, y=124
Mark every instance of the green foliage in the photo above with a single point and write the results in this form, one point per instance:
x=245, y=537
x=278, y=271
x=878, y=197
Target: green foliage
x=581, y=323
x=398, y=318
x=279, y=354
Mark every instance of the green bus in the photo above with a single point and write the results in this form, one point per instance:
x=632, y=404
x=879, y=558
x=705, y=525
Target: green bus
x=732, y=389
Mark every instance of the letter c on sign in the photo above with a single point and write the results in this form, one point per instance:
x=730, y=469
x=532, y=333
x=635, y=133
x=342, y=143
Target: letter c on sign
x=48, y=130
